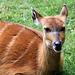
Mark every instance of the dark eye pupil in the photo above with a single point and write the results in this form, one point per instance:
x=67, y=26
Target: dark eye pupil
x=63, y=29
x=47, y=29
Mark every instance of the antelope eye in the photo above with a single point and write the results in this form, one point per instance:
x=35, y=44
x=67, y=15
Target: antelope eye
x=47, y=30
x=62, y=29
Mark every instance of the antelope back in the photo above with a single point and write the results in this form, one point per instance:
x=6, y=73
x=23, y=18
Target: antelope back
x=18, y=44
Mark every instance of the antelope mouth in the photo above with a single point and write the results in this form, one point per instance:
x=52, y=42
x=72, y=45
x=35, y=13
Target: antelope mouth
x=57, y=49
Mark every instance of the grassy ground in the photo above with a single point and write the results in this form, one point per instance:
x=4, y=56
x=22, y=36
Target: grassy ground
x=19, y=11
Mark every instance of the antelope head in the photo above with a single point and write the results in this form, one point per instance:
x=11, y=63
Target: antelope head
x=53, y=28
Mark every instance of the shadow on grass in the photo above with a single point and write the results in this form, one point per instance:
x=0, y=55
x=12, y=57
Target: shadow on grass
x=63, y=73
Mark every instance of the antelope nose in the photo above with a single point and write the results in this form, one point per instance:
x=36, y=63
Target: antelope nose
x=57, y=45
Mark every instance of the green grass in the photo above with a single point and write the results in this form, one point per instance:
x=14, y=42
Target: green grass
x=11, y=10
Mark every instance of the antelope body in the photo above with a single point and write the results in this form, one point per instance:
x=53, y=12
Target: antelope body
x=26, y=51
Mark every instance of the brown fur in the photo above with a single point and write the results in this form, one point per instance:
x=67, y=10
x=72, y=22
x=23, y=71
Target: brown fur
x=18, y=47
x=23, y=50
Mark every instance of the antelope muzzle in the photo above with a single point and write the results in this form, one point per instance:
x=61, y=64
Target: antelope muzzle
x=57, y=45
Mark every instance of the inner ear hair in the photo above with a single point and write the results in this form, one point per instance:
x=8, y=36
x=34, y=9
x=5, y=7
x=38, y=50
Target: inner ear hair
x=33, y=14
x=64, y=11
x=36, y=17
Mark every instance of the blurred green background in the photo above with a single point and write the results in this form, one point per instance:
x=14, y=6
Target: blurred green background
x=19, y=11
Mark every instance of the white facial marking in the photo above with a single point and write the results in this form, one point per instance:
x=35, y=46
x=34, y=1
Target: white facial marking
x=63, y=25
x=47, y=43
x=55, y=32
x=44, y=35
x=45, y=26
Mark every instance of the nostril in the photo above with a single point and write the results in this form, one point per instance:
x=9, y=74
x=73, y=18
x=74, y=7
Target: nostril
x=58, y=43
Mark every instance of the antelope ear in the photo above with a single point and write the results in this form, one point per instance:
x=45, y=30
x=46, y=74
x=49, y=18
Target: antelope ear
x=64, y=13
x=36, y=17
